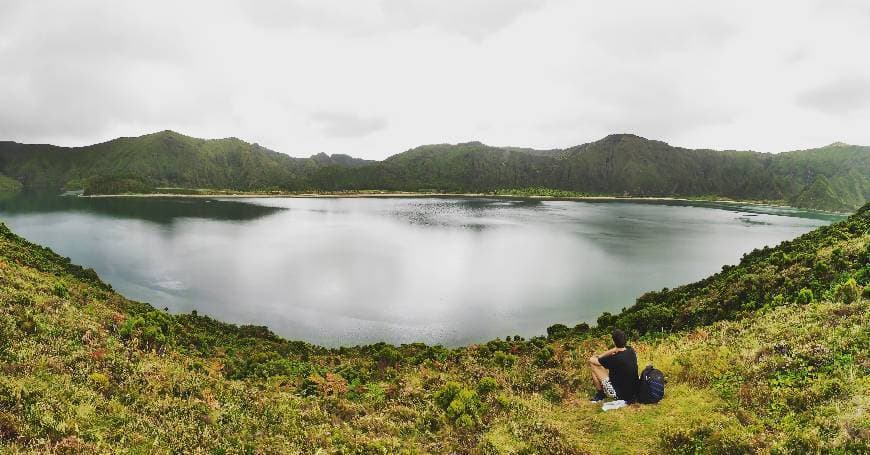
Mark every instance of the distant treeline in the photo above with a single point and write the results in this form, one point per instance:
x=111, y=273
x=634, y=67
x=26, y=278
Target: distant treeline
x=835, y=177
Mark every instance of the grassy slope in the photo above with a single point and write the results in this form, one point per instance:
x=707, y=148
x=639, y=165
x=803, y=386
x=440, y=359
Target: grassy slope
x=836, y=177
x=84, y=369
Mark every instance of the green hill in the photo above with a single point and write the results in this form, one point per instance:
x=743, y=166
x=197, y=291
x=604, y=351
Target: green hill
x=836, y=177
x=8, y=185
x=768, y=356
x=833, y=178
x=165, y=159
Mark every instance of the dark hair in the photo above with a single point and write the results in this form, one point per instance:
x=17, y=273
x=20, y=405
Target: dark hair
x=619, y=338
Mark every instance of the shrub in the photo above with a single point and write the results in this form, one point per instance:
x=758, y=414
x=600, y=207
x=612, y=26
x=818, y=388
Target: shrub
x=389, y=356
x=805, y=296
x=261, y=364
x=545, y=356
x=606, y=320
x=374, y=393
x=486, y=385
x=504, y=360
x=60, y=290
x=557, y=331
x=581, y=328
x=848, y=292
x=154, y=329
x=462, y=406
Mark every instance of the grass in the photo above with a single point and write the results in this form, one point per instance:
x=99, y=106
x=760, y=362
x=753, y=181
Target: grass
x=85, y=370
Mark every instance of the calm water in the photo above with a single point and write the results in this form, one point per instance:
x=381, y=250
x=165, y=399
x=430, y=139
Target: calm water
x=349, y=271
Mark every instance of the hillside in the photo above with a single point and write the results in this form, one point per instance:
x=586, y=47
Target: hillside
x=836, y=177
x=833, y=178
x=768, y=356
x=8, y=185
x=165, y=159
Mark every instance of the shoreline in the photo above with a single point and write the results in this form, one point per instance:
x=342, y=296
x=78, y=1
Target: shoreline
x=404, y=194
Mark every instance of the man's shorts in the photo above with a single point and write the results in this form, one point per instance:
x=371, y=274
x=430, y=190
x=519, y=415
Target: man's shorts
x=608, y=388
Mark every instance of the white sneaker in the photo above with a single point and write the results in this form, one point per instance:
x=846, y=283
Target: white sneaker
x=609, y=406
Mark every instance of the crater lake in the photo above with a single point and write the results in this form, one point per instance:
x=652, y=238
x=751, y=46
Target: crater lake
x=357, y=270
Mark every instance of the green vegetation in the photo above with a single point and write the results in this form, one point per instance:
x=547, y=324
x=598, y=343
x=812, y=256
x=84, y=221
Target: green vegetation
x=8, y=185
x=835, y=178
x=770, y=356
x=165, y=159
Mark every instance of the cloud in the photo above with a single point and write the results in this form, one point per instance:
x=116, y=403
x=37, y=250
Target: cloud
x=474, y=19
x=839, y=97
x=653, y=28
x=375, y=77
x=347, y=125
x=337, y=16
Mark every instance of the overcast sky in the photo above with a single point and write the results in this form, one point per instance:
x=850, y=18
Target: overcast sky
x=372, y=78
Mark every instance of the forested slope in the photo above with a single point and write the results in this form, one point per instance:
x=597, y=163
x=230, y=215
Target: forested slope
x=836, y=177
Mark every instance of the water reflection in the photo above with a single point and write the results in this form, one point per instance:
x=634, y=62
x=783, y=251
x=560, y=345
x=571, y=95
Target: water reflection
x=154, y=209
x=360, y=270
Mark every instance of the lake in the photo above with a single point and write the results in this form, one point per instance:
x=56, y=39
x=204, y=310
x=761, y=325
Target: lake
x=346, y=271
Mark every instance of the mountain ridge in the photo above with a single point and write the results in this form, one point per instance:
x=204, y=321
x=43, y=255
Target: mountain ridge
x=835, y=177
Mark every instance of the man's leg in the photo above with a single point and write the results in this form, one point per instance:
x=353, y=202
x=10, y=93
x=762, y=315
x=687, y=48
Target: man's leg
x=598, y=374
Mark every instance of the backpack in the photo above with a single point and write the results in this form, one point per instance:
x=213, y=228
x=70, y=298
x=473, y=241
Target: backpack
x=651, y=387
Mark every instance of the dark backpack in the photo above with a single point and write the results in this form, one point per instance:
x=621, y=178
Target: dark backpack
x=651, y=388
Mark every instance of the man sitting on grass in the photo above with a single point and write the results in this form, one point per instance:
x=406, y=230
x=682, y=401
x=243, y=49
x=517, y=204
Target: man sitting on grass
x=614, y=372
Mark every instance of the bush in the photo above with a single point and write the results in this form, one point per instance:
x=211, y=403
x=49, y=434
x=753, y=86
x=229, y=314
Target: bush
x=389, y=356
x=805, y=296
x=581, y=328
x=154, y=329
x=545, y=356
x=848, y=292
x=504, y=360
x=486, y=385
x=606, y=320
x=462, y=406
x=60, y=290
x=261, y=364
x=557, y=331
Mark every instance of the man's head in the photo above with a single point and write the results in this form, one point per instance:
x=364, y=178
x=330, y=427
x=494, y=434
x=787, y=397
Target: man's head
x=618, y=338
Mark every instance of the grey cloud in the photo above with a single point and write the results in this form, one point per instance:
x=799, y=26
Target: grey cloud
x=347, y=125
x=550, y=73
x=853, y=8
x=87, y=67
x=838, y=97
x=678, y=31
x=323, y=15
x=474, y=19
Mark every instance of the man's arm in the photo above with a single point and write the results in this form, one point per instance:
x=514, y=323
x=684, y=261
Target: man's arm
x=594, y=358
